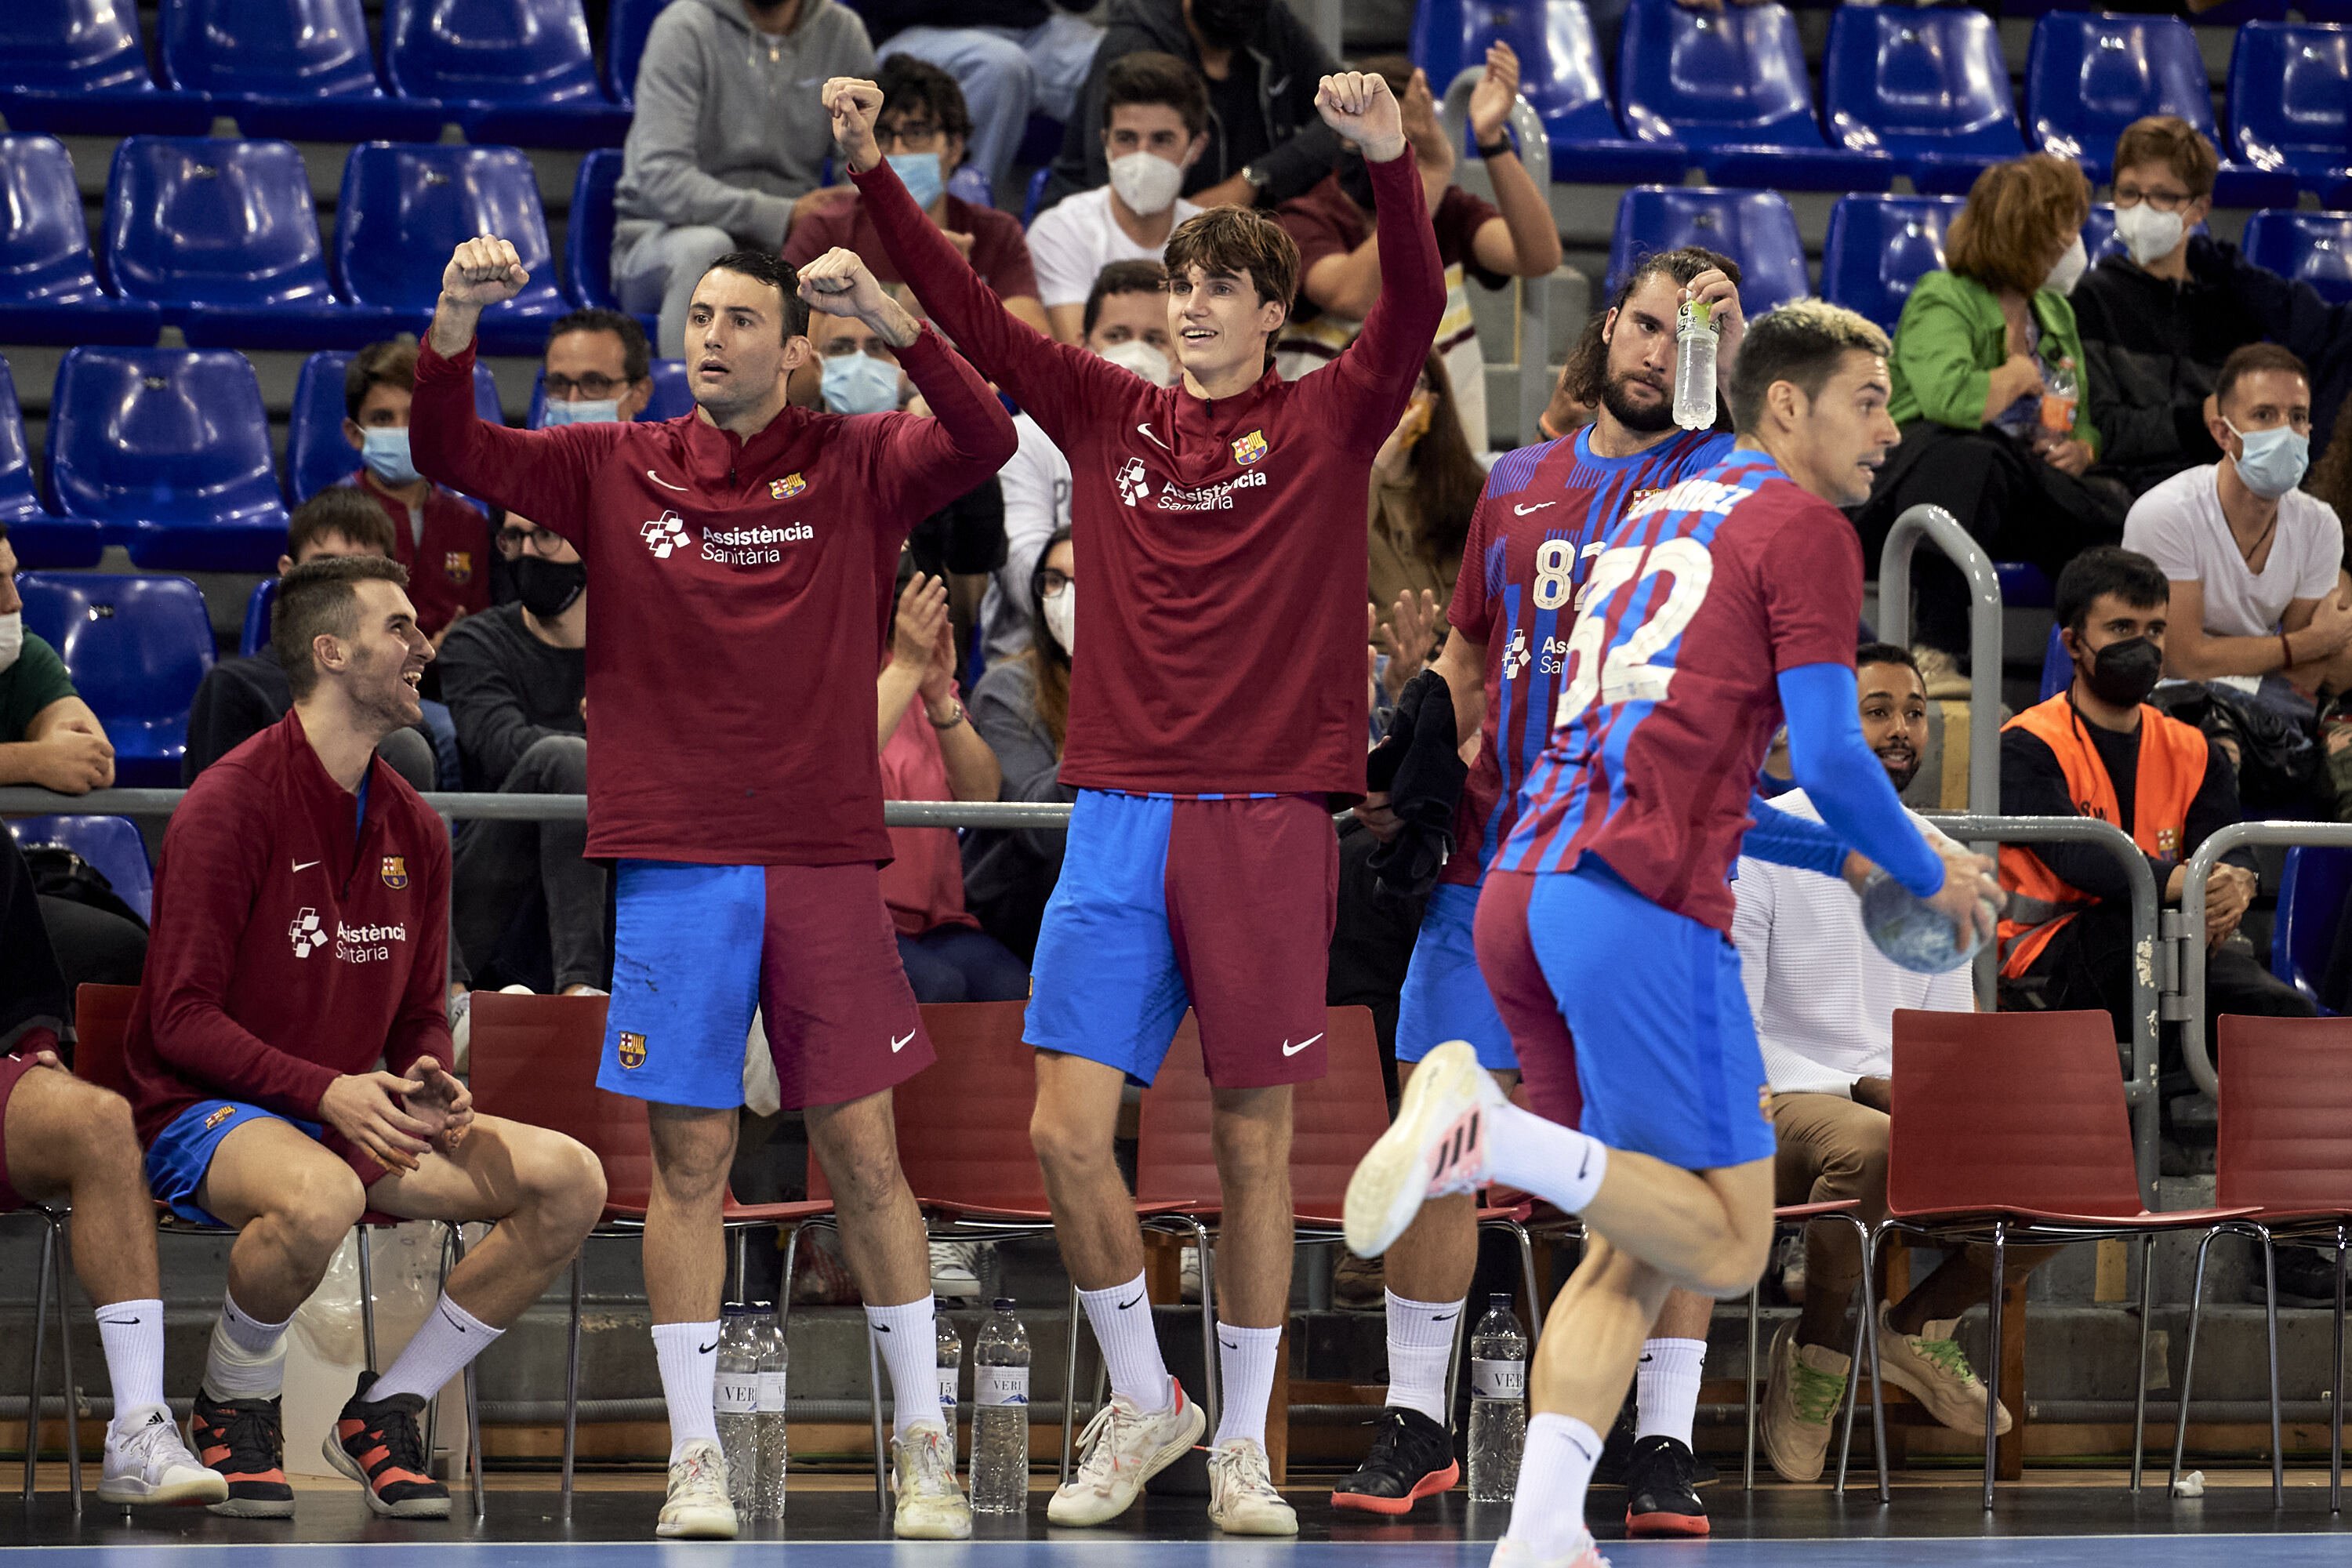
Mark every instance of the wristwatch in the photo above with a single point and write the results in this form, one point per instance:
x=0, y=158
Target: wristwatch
x=954, y=719
x=1255, y=176
x=1497, y=147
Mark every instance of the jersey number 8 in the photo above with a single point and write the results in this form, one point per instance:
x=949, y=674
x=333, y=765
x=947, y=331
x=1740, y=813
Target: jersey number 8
x=1626, y=673
x=1556, y=574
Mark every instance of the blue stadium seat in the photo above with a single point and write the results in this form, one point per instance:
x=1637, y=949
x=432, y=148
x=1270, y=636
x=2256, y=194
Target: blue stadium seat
x=1929, y=86
x=2087, y=77
x=136, y=647
x=2022, y=585
x=1754, y=228
x=78, y=67
x=2290, y=101
x=2314, y=246
x=1878, y=247
x=672, y=396
x=1731, y=85
x=317, y=455
x=286, y=68
x=507, y=71
x=38, y=539
x=2325, y=10
x=626, y=27
x=1560, y=76
x=222, y=235
x=401, y=211
x=49, y=292
x=170, y=450
x=2056, y=667
x=110, y=845
x=2312, y=891
x=588, y=235
x=258, y=606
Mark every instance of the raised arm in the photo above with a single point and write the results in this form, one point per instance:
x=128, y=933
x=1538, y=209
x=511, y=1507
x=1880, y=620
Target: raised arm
x=1374, y=377
x=1525, y=242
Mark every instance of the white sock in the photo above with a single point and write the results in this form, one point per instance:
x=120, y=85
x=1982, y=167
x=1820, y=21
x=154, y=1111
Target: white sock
x=689, y=1354
x=133, y=1334
x=1121, y=1319
x=449, y=1337
x=907, y=1337
x=1666, y=1388
x=247, y=1358
x=1245, y=1364
x=1555, y=1472
x=1421, y=1347
x=1525, y=1152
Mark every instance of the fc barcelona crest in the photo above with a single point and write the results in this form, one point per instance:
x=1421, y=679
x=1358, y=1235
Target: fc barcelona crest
x=786, y=487
x=457, y=566
x=633, y=1049
x=396, y=872
x=1249, y=448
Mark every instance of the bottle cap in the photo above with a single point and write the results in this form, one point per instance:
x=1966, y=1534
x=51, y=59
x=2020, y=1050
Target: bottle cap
x=1697, y=313
x=1002, y=1304
x=1500, y=1301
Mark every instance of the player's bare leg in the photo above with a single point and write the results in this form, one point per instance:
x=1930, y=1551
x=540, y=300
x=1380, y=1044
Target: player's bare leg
x=686, y=1273
x=1255, y=1248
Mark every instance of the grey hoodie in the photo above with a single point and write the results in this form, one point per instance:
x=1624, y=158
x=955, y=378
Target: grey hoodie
x=728, y=129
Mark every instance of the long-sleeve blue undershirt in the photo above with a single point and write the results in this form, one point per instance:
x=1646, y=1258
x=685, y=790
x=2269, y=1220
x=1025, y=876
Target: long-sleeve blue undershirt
x=1846, y=783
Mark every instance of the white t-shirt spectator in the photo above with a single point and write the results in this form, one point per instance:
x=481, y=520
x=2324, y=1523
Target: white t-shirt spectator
x=1824, y=998
x=1076, y=237
x=2179, y=526
x=1036, y=484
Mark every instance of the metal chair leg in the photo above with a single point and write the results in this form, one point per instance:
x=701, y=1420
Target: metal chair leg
x=572, y=1381
x=2335, y=1385
x=1070, y=1378
x=2146, y=1320
x=367, y=1298
x=65, y=1363
x=2188, y=1369
x=1877, y=1383
x=1993, y=1383
x=874, y=1404
x=1538, y=1308
x=473, y=1399
x=40, y=1335
x=1748, y=1457
x=1865, y=1328
x=784, y=1291
x=1213, y=1394
x=2270, y=1320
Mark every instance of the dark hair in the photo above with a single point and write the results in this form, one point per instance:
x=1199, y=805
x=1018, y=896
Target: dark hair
x=2016, y=212
x=1446, y=476
x=907, y=83
x=1803, y=343
x=636, y=353
x=2331, y=476
x=2107, y=569
x=1122, y=277
x=766, y=266
x=1049, y=661
x=2252, y=359
x=320, y=597
x=389, y=363
x=2179, y=146
x=1238, y=242
x=345, y=510
x=1149, y=76
x=1884, y=653
x=1587, y=371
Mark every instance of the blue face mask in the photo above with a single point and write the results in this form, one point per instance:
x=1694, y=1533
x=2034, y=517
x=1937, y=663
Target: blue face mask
x=920, y=173
x=2272, y=461
x=860, y=384
x=386, y=453
x=586, y=411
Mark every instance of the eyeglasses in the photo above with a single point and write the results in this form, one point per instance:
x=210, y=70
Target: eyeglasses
x=1054, y=581
x=538, y=541
x=562, y=388
x=2162, y=201
x=909, y=136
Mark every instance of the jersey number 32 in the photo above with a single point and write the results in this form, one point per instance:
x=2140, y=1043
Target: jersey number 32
x=1624, y=673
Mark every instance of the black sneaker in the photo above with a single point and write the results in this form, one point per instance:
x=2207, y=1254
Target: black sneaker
x=2306, y=1277
x=1661, y=1495
x=1411, y=1458
x=245, y=1440
x=1617, y=1453
x=378, y=1443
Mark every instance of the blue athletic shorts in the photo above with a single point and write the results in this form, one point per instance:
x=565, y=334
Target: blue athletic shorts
x=183, y=1151
x=1665, y=1050
x=1445, y=995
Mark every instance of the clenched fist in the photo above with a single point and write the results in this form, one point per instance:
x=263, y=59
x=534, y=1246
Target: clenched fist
x=483, y=271
x=1360, y=107
x=854, y=104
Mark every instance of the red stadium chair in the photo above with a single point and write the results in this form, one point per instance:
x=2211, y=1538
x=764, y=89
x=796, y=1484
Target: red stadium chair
x=2284, y=1149
x=2011, y=1126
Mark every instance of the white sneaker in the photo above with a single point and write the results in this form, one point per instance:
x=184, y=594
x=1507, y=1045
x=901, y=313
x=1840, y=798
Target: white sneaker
x=1120, y=1449
x=146, y=1462
x=1931, y=1367
x=698, y=1507
x=1509, y=1554
x=1242, y=1499
x=931, y=1507
x=955, y=1270
x=1437, y=1145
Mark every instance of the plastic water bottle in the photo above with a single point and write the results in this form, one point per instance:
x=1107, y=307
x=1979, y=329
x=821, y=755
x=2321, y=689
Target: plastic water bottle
x=1695, y=337
x=2061, y=392
x=774, y=1359
x=1000, y=1421
x=1911, y=934
x=737, y=1399
x=1498, y=1403
x=950, y=1364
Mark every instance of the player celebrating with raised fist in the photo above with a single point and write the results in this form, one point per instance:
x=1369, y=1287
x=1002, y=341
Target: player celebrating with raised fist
x=741, y=554
x=1714, y=607
x=1217, y=714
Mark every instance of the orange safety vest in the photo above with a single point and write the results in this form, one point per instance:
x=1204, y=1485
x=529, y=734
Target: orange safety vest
x=2171, y=771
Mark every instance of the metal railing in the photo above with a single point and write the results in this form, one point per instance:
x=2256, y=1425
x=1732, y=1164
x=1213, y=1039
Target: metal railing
x=1535, y=293
x=1940, y=528
x=24, y=801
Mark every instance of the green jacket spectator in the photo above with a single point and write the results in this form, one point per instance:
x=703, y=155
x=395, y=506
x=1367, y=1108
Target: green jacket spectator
x=1951, y=340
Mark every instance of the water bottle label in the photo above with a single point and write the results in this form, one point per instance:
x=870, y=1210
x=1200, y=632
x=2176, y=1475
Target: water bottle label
x=1499, y=1379
x=772, y=1390
x=738, y=1394
x=947, y=1375
x=1000, y=1385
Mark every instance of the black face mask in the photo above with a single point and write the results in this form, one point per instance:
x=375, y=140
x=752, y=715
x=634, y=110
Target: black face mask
x=2125, y=672
x=548, y=588
x=1228, y=24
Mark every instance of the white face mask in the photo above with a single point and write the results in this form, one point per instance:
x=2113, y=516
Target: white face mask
x=583, y=411
x=1060, y=610
x=2150, y=236
x=1145, y=360
x=1146, y=182
x=2069, y=269
x=12, y=637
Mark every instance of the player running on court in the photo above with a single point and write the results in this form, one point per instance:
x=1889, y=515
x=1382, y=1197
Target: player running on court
x=1219, y=707
x=1542, y=518
x=741, y=554
x=1717, y=607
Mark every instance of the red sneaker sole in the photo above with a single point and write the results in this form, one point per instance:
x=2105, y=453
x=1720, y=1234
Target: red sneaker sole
x=1667, y=1524
x=1429, y=1485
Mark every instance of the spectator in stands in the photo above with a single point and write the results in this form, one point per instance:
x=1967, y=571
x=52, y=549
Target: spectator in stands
x=444, y=541
x=1988, y=375
x=1155, y=127
x=1339, y=256
x=1267, y=144
x=1021, y=709
x=2331, y=476
x=2158, y=323
x=1426, y=485
x=1824, y=1001
x=1013, y=58
x=2260, y=618
x=245, y=694
x=723, y=152
x=599, y=366
x=517, y=682
x=2097, y=749
x=922, y=129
